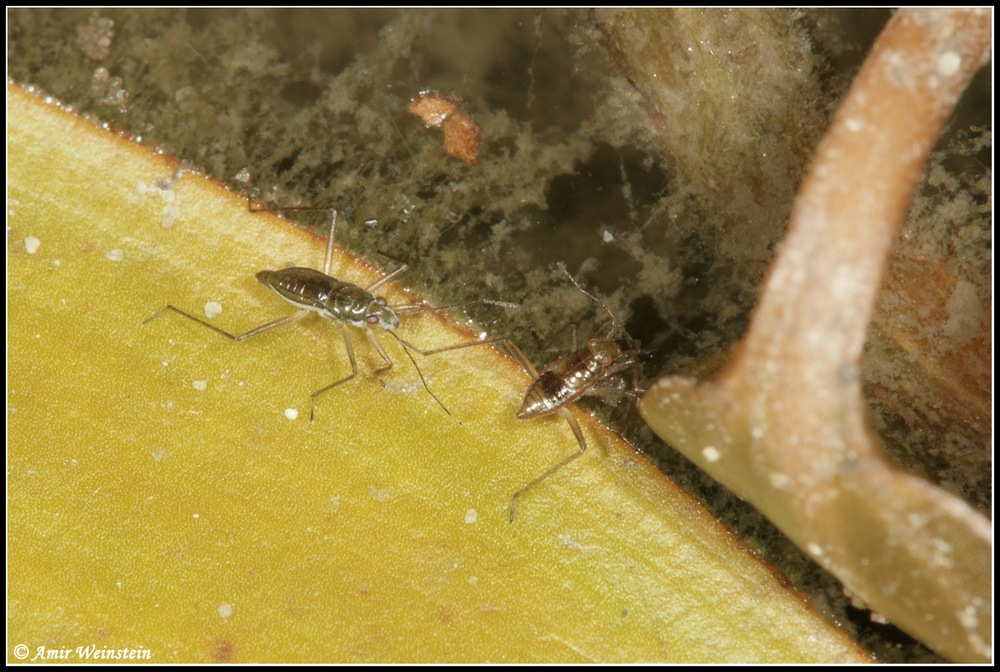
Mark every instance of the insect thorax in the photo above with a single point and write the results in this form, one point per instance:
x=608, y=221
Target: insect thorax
x=332, y=298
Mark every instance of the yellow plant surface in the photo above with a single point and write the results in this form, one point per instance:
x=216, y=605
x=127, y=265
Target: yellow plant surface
x=164, y=504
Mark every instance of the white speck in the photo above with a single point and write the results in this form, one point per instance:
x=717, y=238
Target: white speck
x=200, y=385
x=242, y=176
x=291, y=413
x=119, y=584
x=225, y=610
x=165, y=363
x=73, y=463
x=607, y=236
x=115, y=254
x=853, y=125
x=968, y=618
x=571, y=542
x=779, y=480
x=171, y=213
x=471, y=516
x=31, y=244
x=941, y=557
x=56, y=262
x=213, y=309
x=473, y=580
x=711, y=453
x=379, y=495
x=158, y=455
x=948, y=63
x=815, y=550
x=197, y=515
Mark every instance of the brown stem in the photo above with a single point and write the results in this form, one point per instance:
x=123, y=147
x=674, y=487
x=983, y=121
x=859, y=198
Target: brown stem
x=786, y=425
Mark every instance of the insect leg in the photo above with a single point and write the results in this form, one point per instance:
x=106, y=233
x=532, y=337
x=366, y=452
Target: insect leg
x=307, y=208
x=512, y=348
x=529, y=367
x=329, y=244
x=406, y=349
x=349, y=346
x=417, y=308
x=294, y=317
x=575, y=426
x=457, y=346
x=384, y=279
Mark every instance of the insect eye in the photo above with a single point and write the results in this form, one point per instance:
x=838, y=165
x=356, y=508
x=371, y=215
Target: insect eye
x=605, y=360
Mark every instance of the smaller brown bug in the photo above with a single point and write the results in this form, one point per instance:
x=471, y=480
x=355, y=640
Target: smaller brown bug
x=564, y=380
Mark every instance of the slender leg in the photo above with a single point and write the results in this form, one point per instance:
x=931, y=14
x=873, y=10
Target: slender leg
x=381, y=351
x=530, y=369
x=308, y=208
x=386, y=278
x=349, y=346
x=417, y=308
x=419, y=372
x=329, y=244
x=457, y=346
x=294, y=317
x=521, y=358
x=575, y=426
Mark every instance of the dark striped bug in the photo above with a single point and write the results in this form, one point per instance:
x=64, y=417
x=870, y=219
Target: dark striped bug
x=348, y=305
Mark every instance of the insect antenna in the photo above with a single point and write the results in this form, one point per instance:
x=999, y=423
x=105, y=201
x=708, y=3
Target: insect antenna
x=406, y=349
x=614, y=322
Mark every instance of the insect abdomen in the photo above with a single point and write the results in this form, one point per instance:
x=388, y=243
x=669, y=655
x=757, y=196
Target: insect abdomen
x=560, y=383
x=313, y=290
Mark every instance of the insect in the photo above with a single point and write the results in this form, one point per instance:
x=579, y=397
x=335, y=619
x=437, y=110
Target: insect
x=563, y=381
x=348, y=305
